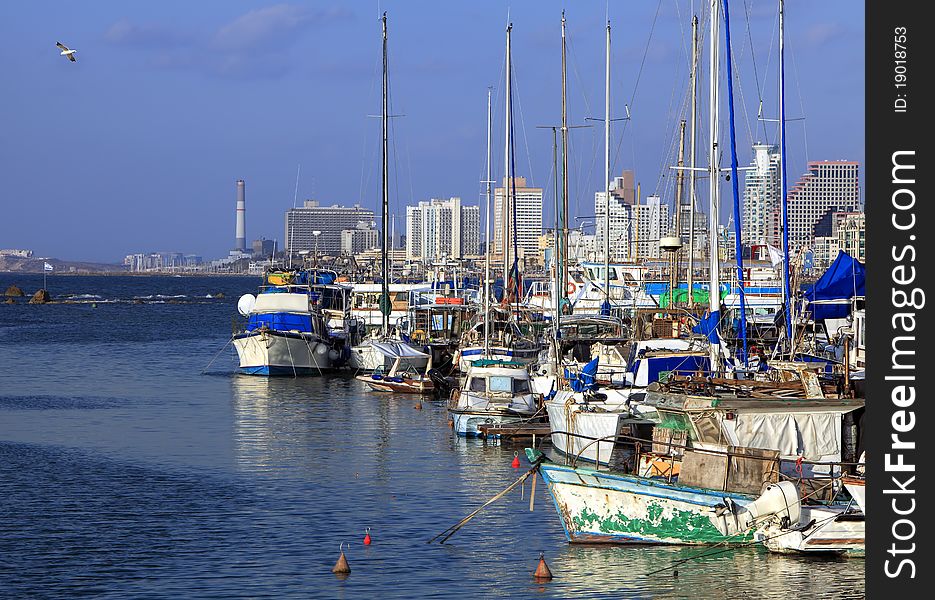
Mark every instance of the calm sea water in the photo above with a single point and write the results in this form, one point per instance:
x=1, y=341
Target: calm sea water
x=125, y=471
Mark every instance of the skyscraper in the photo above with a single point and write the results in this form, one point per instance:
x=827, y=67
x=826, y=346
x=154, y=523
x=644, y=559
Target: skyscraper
x=651, y=224
x=760, y=193
x=329, y=221
x=828, y=187
x=439, y=228
x=528, y=225
x=620, y=221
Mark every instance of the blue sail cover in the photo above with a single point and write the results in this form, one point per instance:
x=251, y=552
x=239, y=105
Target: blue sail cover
x=843, y=280
x=708, y=326
x=586, y=379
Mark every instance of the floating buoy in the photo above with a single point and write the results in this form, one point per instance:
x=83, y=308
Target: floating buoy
x=515, y=463
x=367, y=539
x=451, y=423
x=542, y=571
x=341, y=567
x=418, y=406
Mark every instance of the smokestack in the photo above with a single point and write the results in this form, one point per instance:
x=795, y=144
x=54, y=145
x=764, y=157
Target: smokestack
x=240, y=243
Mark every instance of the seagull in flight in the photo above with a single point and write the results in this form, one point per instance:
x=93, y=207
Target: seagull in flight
x=66, y=51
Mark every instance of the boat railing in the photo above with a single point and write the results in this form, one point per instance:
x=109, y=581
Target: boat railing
x=844, y=467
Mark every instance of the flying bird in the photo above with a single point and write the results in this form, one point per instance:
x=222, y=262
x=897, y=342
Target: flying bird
x=66, y=51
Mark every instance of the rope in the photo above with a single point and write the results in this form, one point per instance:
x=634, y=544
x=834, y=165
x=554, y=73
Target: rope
x=203, y=371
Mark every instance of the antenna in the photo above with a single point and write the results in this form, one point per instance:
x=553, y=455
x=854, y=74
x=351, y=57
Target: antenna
x=295, y=197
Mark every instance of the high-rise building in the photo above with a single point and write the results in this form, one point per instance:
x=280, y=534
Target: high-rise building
x=528, y=225
x=363, y=237
x=828, y=187
x=651, y=223
x=621, y=210
x=701, y=231
x=439, y=228
x=329, y=221
x=761, y=193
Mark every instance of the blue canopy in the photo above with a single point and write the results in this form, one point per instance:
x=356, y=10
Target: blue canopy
x=843, y=280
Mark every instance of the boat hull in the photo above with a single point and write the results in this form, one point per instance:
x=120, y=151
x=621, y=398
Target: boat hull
x=831, y=532
x=279, y=353
x=600, y=507
x=465, y=422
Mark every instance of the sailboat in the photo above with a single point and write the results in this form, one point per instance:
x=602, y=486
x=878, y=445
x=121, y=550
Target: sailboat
x=494, y=390
x=380, y=351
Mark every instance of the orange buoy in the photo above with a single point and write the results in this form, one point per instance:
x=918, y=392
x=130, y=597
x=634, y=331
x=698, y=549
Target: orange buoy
x=367, y=539
x=418, y=406
x=341, y=567
x=542, y=571
x=515, y=463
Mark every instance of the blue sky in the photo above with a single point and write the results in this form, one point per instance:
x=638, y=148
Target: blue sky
x=136, y=147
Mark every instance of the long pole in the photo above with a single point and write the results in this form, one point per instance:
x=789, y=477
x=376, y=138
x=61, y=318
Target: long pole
x=714, y=295
x=679, y=192
x=505, y=205
x=606, y=308
x=787, y=288
x=559, y=285
x=738, y=247
x=385, y=293
x=691, y=172
x=487, y=249
x=564, y=252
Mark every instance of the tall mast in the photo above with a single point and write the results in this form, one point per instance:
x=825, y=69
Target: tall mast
x=385, y=294
x=559, y=285
x=563, y=257
x=506, y=209
x=607, y=175
x=786, y=288
x=691, y=172
x=714, y=295
x=735, y=185
x=487, y=248
x=679, y=193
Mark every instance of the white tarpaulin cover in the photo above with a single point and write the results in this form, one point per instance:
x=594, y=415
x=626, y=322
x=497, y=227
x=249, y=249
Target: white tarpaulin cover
x=288, y=303
x=398, y=350
x=812, y=435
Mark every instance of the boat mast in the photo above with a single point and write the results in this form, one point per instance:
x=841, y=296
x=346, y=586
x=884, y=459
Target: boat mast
x=679, y=194
x=559, y=285
x=691, y=172
x=606, y=308
x=787, y=291
x=563, y=257
x=714, y=294
x=385, y=306
x=738, y=243
x=505, y=205
x=487, y=248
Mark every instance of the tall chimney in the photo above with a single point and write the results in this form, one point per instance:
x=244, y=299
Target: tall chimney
x=240, y=243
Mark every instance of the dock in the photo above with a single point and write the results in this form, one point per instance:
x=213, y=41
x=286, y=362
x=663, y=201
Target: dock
x=515, y=430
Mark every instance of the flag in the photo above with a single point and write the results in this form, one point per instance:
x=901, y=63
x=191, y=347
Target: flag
x=46, y=266
x=775, y=255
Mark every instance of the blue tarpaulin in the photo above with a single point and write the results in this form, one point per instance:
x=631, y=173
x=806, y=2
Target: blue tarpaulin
x=586, y=379
x=843, y=280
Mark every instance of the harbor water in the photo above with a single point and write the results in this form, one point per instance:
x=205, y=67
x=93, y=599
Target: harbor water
x=126, y=471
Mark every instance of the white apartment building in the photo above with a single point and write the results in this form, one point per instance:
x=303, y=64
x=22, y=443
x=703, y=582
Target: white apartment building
x=438, y=228
x=761, y=193
x=528, y=225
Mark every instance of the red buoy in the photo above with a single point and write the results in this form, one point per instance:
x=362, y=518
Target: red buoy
x=515, y=463
x=367, y=539
x=542, y=570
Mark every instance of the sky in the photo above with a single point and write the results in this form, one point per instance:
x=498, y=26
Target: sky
x=137, y=146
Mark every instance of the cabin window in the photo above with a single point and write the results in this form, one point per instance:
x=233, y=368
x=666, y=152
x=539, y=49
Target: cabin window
x=478, y=384
x=501, y=384
x=520, y=386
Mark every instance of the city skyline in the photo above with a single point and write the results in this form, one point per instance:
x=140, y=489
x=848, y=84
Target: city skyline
x=158, y=120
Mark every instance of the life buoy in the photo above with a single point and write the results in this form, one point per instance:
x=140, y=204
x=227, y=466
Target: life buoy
x=570, y=289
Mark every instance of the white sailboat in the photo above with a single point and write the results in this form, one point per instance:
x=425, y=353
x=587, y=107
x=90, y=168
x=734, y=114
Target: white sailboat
x=494, y=390
x=370, y=355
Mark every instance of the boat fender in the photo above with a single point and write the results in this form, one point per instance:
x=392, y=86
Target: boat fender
x=321, y=350
x=376, y=377
x=334, y=355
